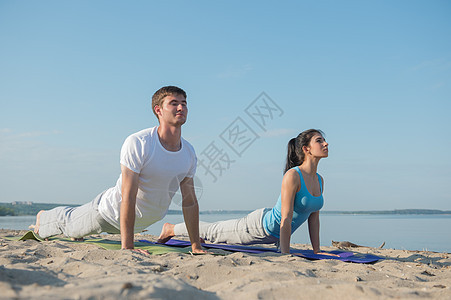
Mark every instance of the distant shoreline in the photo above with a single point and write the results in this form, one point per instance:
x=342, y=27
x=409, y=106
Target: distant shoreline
x=30, y=209
x=338, y=212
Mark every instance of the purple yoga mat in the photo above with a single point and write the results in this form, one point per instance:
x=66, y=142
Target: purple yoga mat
x=342, y=255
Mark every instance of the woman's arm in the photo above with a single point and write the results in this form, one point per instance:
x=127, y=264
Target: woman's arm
x=290, y=186
x=313, y=228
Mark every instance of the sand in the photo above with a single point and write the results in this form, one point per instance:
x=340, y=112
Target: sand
x=68, y=270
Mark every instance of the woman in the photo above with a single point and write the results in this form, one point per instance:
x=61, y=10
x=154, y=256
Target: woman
x=300, y=200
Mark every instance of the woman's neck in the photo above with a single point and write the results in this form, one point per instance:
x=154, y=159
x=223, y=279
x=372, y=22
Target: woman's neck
x=309, y=166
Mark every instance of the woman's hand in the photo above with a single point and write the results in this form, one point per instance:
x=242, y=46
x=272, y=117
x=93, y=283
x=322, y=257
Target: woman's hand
x=327, y=253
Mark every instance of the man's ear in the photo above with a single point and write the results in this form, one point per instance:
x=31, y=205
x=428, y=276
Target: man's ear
x=157, y=110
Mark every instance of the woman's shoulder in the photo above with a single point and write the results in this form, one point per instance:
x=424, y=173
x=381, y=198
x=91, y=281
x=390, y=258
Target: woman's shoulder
x=292, y=176
x=294, y=170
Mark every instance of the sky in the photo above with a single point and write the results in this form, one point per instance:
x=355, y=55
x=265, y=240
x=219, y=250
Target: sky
x=77, y=77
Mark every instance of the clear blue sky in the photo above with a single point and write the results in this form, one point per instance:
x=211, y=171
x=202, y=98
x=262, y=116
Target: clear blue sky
x=76, y=78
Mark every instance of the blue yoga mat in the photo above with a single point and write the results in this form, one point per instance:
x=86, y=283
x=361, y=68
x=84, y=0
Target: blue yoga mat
x=342, y=255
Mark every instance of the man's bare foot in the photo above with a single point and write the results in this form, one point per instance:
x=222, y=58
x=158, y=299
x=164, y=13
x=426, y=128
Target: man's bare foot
x=77, y=239
x=35, y=227
x=167, y=233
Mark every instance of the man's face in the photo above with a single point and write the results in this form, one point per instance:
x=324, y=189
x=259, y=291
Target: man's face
x=173, y=110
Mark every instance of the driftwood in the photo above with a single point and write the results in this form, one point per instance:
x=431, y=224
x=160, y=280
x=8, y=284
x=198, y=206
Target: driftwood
x=346, y=244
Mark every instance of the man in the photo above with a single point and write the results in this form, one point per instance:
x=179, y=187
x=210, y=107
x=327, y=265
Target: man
x=155, y=162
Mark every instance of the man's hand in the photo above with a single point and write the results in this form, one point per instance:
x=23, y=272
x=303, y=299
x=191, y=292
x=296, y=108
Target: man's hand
x=145, y=252
x=200, y=251
x=197, y=249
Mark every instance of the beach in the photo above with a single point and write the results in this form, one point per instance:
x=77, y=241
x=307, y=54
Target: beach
x=59, y=269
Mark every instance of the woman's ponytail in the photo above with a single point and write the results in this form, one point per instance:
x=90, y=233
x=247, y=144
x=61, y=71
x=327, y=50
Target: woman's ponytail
x=292, y=156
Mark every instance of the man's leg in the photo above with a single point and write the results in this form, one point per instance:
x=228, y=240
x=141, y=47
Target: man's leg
x=74, y=222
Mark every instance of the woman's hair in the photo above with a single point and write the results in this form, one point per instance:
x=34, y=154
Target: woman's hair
x=295, y=154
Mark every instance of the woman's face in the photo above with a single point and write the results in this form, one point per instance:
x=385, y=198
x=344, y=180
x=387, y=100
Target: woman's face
x=318, y=146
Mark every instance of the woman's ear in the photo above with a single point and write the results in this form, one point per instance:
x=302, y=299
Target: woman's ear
x=306, y=149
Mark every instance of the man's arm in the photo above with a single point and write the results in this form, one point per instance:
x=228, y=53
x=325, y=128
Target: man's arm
x=130, y=182
x=191, y=213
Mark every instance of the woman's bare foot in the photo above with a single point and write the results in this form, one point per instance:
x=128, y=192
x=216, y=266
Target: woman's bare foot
x=167, y=233
x=35, y=227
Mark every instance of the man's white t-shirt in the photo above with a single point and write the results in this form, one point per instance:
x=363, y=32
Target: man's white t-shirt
x=160, y=173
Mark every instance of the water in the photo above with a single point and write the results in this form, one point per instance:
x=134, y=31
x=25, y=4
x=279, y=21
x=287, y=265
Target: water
x=410, y=232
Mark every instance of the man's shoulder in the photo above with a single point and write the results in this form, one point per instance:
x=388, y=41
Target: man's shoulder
x=144, y=134
x=142, y=139
x=187, y=145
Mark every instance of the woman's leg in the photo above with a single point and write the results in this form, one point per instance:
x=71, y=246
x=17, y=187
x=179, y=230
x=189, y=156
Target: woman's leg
x=244, y=231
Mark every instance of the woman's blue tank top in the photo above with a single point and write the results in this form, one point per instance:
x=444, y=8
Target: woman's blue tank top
x=304, y=205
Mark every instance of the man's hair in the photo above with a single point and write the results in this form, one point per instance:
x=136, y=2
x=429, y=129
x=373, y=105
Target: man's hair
x=158, y=97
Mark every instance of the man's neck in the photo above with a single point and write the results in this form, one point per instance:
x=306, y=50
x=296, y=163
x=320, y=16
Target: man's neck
x=170, y=137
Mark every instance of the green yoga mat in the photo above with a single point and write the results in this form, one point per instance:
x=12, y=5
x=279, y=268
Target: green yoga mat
x=104, y=243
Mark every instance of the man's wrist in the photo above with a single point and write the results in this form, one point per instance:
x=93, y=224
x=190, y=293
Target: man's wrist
x=128, y=245
x=196, y=245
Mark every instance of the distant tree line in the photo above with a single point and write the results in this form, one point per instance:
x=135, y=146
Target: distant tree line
x=25, y=208
x=6, y=211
